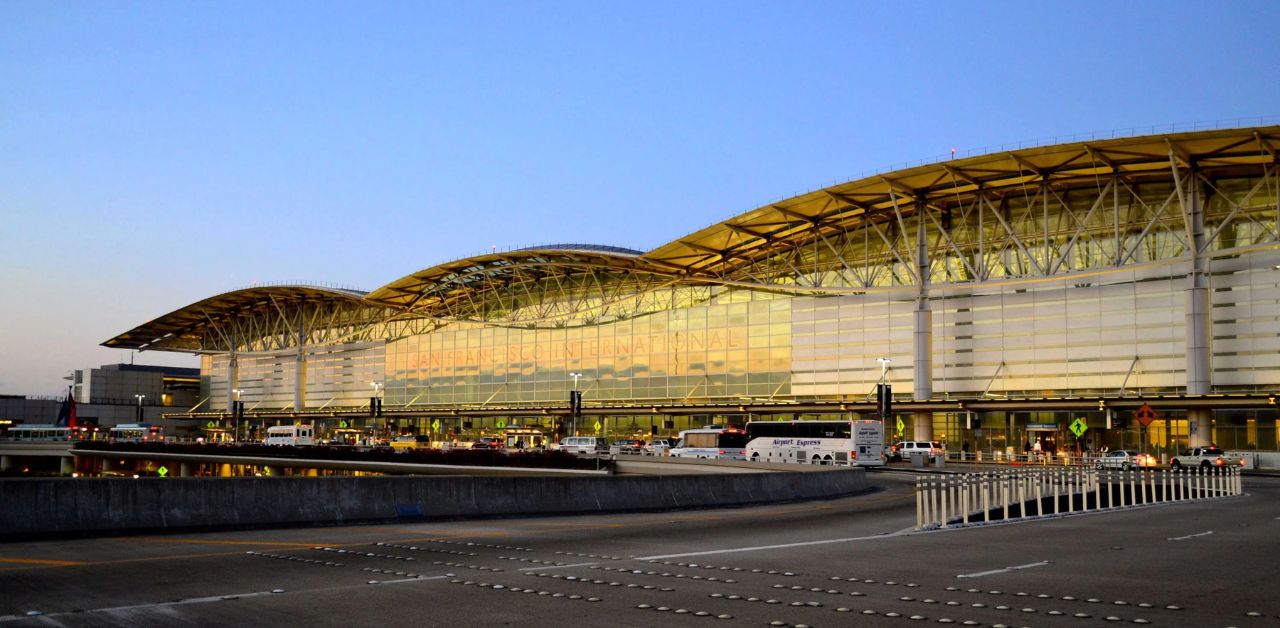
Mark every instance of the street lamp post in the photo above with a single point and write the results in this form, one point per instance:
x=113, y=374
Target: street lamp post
x=375, y=403
x=140, y=398
x=237, y=415
x=575, y=405
x=884, y=367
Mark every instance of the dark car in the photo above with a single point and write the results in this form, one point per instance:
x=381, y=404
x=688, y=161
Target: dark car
x=488, y=442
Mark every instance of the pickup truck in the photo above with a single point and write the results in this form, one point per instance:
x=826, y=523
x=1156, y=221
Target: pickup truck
x=1211, y=456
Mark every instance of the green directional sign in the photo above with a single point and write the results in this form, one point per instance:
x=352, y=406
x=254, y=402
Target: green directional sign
x=435, y=425
x=901, y=426
x=1078, y=427
x=342, y=424
x=211, y=424
x=598, y=426
x=163, y=471
x=502, y=423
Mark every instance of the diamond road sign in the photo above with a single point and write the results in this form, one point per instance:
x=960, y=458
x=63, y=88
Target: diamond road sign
x=342, y=424
x=502, y=424
x=163, y=471
x=435, y=425
x=598, y=426
x=211, y=424
x=1145, y=415
x=901, y=426
x=1078, y=427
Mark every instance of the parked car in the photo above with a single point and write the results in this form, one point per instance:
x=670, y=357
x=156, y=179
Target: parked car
x=1125, y=459
x=657, y=447
x=583, y=445
x=488, y=442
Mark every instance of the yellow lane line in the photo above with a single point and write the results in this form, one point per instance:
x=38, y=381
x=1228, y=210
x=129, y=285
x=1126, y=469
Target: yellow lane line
x=36, y=561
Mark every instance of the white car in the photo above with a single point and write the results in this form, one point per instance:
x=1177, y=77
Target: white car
x=1125, y=459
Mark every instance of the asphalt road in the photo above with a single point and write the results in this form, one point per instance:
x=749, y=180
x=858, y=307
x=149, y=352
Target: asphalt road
x=851, y=561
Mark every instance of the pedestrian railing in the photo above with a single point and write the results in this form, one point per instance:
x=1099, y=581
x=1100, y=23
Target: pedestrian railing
x=955, y=500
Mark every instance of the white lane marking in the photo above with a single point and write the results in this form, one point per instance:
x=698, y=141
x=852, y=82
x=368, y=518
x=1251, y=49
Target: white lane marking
x=1190, y=536
x=771, y=547
x=556, y=567
x=212, y=598
x=1005, y=570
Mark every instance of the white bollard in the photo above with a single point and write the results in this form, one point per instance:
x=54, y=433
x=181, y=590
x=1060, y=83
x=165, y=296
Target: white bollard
x=986, y=504
x=919, y=505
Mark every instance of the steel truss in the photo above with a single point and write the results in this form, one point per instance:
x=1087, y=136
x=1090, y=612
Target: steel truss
x=1062, y=210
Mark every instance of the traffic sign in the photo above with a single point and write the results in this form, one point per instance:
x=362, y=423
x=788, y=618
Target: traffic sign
x=1078, y=427
x=211, y=425
x=901, y=426
x=342, y=424
x=598, y=426
x=163, y=471
x=435, y=425
x=502, y=423
x=1146, y=414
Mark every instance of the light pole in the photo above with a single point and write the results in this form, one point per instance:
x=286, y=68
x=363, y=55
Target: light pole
x=575, y=405
x=237, y=415
x=375, y=403
x=884, y=367
x=140, y=398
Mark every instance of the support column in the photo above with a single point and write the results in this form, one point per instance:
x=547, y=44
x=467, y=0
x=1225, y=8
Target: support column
x=1199, y=316
x=922, y=338
x=184, y=470
x=6, y=463
x=66, y=466
x=300, y=368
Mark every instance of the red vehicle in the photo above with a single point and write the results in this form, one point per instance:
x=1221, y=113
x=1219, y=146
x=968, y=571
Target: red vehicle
x=488, y=442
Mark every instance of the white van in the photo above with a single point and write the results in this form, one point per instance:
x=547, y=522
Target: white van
x=290, y=435
x=587, y=445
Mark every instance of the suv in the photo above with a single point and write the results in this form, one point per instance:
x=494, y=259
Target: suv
x=583, y=445
x=929, y=448
x=657, y=447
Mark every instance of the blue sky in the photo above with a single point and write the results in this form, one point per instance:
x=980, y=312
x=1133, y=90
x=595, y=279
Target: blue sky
x=156, y=153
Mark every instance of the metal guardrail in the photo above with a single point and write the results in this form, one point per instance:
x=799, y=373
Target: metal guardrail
x=958, y=500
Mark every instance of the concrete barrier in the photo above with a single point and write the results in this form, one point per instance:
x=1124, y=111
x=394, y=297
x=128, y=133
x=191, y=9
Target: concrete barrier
x=50, y=507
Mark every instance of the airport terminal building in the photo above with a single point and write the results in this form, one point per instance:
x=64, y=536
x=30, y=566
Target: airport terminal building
x=1002, y=296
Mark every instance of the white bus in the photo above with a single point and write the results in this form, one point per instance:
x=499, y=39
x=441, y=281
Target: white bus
x=290, y=435
x=859, y=442
x=726, y=443
x=41, y=432
x=136, y=433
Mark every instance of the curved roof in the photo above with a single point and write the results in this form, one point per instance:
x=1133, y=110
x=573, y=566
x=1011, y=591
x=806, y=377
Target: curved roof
x=590, y=248
x=173, y=330
x=494, y=271
x=941, y=185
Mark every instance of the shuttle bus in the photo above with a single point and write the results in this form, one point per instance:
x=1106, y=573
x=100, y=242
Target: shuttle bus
x=858, y=442
x=726, y=443
x=291, y=435
x=39, y=432
x=136, y=433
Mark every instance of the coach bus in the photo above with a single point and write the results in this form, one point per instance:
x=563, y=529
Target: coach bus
x=857, y=442
x=713, y=441
x=39, y=432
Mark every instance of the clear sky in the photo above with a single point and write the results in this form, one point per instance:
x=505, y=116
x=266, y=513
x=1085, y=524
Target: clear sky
x=156, y=153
